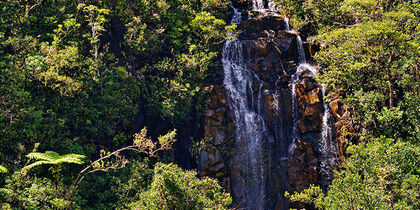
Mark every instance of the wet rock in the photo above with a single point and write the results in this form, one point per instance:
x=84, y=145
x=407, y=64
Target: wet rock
x=311, y=107
x=255, y=48
x=264, y=23
x=302, y=166
x=243, y=4
x=269, y=53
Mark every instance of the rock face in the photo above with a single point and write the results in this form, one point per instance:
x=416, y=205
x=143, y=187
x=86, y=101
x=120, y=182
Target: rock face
x=310, y=104
x=291, y=155
x=302, y=166
x=346, y=127
x=216, y=133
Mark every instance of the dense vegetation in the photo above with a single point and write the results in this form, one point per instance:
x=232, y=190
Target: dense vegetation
x=80, y=79
x=77, y=78
x=369, y=56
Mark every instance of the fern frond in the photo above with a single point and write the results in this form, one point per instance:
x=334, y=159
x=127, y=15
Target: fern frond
x=73, y=158
x=38, y=163
x=47, y=156
x=53, y=158
x=3, y=169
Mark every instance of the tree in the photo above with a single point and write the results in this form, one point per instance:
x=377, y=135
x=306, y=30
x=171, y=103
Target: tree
x=381, y=174
x=173, y=188
x=373, y=65
x=3, y=169
x=52, y=158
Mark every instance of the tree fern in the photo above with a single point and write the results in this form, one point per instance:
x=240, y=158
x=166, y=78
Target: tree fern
x=52, y=158
x=3, y=169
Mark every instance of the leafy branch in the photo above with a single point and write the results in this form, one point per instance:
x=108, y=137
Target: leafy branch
x=141, y=144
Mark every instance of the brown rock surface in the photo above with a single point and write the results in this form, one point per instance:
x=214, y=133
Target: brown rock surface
x=302, y=166
x=311, y=107
x=216, y=124
x=346, y=127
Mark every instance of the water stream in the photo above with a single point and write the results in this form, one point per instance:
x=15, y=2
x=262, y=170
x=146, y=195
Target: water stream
x=326, y=145
x=244, y=102
x=244, y=92
x=258, y=5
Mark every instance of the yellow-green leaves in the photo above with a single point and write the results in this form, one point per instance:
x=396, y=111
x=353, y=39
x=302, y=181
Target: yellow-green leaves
x=147, y=146
x=174, y=188
x=3, y=169
x=362, y=10
x=96, y=18
x=312, y=195
x=53, y=69
x=52, y=158
x=208, y=27
x=167, y=140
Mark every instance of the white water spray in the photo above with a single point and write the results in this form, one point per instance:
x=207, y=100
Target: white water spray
x=249, y=125
x=258, y=5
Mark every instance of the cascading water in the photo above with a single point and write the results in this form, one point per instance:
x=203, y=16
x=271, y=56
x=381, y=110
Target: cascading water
x=272, y=6
x=249, y=124
x=295, y=79
x=301, y=51
x=327, y=147
x=295, y=109
x=258, y=5
x=286, y=23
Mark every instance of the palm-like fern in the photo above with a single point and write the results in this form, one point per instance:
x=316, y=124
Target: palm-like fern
x=3, y=169
x=52, y=158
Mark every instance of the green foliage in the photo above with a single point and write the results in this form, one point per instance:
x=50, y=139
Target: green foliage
x=3, y=169
x=23, y=192
x=61, y=85
x=312, y=195
x=369, y=57
x=373, y=65
x=173, y=188
x=134, y=180
x=96, y=19
x=75, y=74
x=52, y=158
x=381, y=174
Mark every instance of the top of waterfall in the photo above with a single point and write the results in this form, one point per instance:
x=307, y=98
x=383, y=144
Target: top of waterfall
x=286, y=23
x=258, y=5
x=237, y=17
x=307, y=67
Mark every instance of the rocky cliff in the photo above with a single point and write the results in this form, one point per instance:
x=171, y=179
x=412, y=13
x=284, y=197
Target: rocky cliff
x=294, y=152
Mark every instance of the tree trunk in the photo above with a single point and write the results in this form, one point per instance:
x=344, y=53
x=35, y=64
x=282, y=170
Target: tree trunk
x=390, y=85
x=391, y=90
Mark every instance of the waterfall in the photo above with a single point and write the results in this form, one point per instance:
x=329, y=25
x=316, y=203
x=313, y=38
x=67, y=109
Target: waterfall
x=327, y=147
x=244, y=104
x=301, y=51
x=295, y=108
x=295, y=79
x=326, y=129
x=258, y=5
x=299, y=43
x=286, y=24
